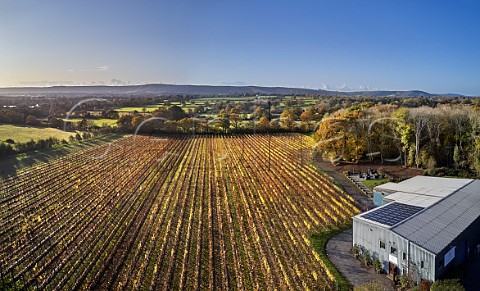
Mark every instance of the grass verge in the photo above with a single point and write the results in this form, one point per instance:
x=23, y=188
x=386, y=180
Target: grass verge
x=27, y=133
x=370, y=184
x=319, y=243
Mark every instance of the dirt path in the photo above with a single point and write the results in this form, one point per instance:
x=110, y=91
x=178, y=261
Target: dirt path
x=338, y=252
x=338, y=248
x=363, y=202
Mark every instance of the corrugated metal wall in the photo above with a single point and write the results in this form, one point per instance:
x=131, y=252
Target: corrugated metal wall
x=417, y=255
x=369, y=235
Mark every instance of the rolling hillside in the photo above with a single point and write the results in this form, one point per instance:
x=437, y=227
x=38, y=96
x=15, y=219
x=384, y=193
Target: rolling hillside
x=199, y=90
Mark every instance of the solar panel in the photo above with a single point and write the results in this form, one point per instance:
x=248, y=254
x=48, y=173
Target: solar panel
x=392, y=213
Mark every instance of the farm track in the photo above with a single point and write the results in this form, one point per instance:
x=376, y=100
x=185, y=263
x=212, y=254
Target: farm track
x=180, y=212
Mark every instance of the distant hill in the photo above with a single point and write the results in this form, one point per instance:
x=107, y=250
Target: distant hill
x=411, y=93
x=200, y=90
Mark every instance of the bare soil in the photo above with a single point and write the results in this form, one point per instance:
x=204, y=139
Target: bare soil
x=395, y=171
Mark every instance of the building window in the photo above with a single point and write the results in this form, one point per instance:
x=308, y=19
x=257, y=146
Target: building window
x=422, y=264
x=382, y=245
x=393, y=250
x=404, y=256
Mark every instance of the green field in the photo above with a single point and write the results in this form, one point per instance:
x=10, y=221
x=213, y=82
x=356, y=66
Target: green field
x=216, y=99
x=109, y=122
x=149, y=108
x=190, y=105
x=25, y=134
x=97, y=122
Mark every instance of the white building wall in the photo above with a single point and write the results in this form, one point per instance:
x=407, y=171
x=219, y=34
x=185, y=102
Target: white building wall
x=368, y=235
x=417, y=255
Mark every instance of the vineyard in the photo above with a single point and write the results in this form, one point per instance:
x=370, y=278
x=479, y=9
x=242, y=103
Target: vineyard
x=169, y=213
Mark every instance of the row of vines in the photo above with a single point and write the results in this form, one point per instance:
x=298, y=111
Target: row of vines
x=169, y=213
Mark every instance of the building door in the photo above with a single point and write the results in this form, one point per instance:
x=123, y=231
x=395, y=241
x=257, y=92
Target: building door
x=392, y=269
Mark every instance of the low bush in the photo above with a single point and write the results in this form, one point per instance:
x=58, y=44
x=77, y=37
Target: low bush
x=356, y=251
x=377, y=265
x=367, y=259
x=447, y=285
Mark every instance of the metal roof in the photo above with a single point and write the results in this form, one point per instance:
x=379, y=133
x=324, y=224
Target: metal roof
x=425, y=185
x=412, y=199
x=438, y=225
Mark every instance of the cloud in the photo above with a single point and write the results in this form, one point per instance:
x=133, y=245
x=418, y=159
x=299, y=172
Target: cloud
x=77, y=70
x=45, y=83
x=97, y=83
x=49, y=83
x=117, y=82
x=236, y=83
x=325, y=87
x=364, y=88
x=344, y=87
x=103, y=68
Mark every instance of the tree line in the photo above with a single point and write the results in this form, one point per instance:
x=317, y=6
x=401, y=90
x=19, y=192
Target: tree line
x=12, y=147
x=436, y=133
x=445, y=138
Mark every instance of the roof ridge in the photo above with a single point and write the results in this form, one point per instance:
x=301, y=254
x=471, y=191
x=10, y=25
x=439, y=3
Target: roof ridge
x=427, y=243
x=426, y=208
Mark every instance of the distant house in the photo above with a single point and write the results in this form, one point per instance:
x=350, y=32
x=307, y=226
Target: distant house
x=425, y=226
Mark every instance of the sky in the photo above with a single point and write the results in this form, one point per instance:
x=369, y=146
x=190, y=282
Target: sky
x=337, y=45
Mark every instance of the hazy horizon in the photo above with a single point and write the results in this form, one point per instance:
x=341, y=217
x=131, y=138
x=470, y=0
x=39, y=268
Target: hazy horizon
x=226, y=85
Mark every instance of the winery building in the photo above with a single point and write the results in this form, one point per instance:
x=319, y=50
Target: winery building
x=425, y=226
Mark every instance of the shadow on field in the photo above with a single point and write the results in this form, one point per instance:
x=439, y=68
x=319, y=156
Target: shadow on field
x=13, y=165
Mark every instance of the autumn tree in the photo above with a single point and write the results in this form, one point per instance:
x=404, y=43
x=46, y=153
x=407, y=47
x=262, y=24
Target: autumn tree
x=330, y=137
x=275, y=125
x=234, y=117
x=288, y=118
x=258, y=112
x=383, y=140
x=405, y=130
x=186, y=124
x=32, y=120
x=460, y=119
x=343, y=135
x=263, y=124
x=137, y=120
x=356, y=134
x=175, y=113
x=125, y=123
x=307, y=117
x=420, y=118
x=199, y=109
x=475, y=138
